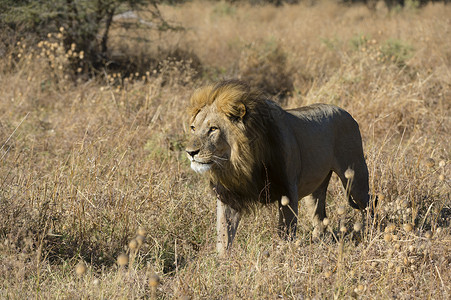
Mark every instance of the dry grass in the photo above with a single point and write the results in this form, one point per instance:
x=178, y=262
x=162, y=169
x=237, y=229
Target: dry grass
x=85, y=166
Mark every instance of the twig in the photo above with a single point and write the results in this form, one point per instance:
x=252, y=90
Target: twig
x=10, y=136
x=441, y=280
x=425, y=216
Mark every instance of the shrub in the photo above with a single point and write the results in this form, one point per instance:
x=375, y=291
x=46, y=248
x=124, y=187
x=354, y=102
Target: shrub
x=86, y=24
x=391, y=51
x=358, y=42
x=267, y=69
x=396, y=51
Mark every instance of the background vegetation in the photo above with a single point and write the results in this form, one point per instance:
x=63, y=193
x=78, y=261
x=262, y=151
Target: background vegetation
x=97, y=199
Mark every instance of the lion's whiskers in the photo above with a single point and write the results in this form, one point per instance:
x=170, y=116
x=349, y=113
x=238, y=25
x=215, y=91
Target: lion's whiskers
x=217, y=160
x=218, y=157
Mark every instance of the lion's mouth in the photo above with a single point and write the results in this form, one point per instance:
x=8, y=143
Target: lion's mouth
x=200, y=167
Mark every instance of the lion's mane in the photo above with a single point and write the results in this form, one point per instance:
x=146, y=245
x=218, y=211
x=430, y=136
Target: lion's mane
x=244, y=180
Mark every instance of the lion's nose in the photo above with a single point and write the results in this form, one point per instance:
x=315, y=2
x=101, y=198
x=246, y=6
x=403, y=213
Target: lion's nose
x=192, y=152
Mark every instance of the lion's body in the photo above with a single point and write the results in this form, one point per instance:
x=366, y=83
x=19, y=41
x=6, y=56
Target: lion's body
x=328, y=139
x=257, y=152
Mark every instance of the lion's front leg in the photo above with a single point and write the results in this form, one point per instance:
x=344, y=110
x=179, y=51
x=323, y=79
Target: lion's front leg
x=288, y=217
x=226, y=225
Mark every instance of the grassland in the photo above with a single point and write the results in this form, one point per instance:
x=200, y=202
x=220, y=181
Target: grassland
x=92, y=169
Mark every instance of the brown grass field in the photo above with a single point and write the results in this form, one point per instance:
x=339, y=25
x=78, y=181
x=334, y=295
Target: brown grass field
x=92, y=170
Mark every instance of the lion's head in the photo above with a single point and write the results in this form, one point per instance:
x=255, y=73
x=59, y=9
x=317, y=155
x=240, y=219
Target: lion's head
x=229, y=133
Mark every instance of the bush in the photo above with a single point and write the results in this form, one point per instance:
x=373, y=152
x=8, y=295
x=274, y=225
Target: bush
x=392, y=51
x=396, y=51
x=267, y=70
x=85, y=24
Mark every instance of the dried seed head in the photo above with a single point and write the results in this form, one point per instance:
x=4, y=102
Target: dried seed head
x=266, y=253
x=349, y=173
x=343, y=229
x=430, y=162
x=140, y=240
x=122, y=259
x=133, y=244
x=358, y=226
x=285, y=201
x=327, y=274
x=141, y=231
x=80, y=269
x=408, y=227
x=442, y=163
x=154, y=280
x=387, y=237
x=96, y=282
x=390, y=228
x=428, y=234
x=326, y=222
x=341, y=210
x=441, y=177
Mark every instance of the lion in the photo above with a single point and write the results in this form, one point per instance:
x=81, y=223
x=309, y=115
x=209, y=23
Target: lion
x=256, y=152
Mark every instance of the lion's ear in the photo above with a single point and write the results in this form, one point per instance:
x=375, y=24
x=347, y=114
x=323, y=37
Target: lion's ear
x=241, y=109
x=237, y=112
x=234, y=111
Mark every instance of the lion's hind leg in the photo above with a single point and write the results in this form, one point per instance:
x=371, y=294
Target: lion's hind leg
x=316, y=204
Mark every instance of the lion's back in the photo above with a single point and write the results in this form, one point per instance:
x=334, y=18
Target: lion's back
x=320, y=113
x=325, y=119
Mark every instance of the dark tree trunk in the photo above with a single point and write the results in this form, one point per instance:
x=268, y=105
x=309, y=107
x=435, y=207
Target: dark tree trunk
x=109, y=20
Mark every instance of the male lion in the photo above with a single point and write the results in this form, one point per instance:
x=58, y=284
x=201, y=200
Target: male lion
x=254, y=151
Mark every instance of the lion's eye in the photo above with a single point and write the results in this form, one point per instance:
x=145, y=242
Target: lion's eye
x=212, y=129
x=193, y=128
